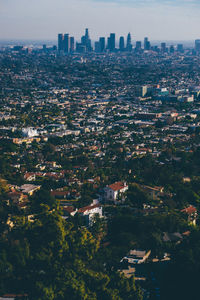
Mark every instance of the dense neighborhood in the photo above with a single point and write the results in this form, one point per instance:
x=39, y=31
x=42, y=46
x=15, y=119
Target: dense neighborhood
x=100, y=151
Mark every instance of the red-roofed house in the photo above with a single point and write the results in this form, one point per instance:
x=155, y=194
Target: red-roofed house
x=90, y=211
x=115, y=191
x=70, y=210
x=191, y=213
x=29, y=176
x=60, y=194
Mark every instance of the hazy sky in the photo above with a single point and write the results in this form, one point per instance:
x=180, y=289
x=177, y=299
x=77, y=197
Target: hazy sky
x=43, y=19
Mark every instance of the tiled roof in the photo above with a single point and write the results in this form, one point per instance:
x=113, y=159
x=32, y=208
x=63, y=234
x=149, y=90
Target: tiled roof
x=117, y=186
x=27, y=175
x=59, y=193
x=189, y=210
x=89, y=207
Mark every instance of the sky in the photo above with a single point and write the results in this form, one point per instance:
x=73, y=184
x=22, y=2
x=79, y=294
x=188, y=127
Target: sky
x=44, y=19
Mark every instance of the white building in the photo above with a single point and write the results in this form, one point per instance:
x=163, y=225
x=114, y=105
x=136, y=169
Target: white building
x=29, y=132
x=136, y=256
x=29, y=188
x=115, y=191
x=89, y=212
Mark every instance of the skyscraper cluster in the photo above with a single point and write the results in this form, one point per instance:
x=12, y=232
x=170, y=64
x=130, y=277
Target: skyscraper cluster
x=66, y=44
x=85, y=45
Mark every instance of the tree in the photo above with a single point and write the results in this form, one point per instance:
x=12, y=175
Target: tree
x=136, y=197
x=51, y=259
x=41, y=200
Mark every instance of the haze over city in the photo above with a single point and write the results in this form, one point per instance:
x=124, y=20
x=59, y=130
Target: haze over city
x=159, y=20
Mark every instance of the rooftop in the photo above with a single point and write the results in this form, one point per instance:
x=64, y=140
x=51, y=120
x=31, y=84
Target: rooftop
x=117, y=186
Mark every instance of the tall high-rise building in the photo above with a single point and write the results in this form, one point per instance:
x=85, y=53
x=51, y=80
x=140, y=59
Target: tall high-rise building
x=102, y=43
x=87, y=33
x=86, y=41
x=111, y=42
x=108, y=43
x=147, y=44
x=197, y=45
x=180, y=48
x=121, y=43
x=66, y=43
x=63, y=42
x=60, y=42
x=163, y=47
x=128, y=43
x=72, y=44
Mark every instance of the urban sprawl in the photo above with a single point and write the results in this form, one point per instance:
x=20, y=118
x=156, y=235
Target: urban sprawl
x=99, y=160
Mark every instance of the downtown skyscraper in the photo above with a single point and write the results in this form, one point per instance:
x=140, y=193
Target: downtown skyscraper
x=111, y=42
x=128, y=43
x=65, y=43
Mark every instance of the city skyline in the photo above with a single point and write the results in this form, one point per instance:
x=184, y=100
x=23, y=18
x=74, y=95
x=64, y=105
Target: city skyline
x=67, y=44
x=163, y=20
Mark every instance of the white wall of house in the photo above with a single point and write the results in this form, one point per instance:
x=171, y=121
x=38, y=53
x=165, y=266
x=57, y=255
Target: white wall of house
x=94, y=211
x=111, y=195
x=91, y=213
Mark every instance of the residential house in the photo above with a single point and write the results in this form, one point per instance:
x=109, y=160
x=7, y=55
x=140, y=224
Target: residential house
x=29, y=188
x=115, y=192
x=89, y=212
x=136, y=256
x=191, y=213
x=29, y=176
x=60, y=194
x=69, y=210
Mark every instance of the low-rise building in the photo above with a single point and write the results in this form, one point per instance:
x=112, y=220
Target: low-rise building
x=29, y=188
x=89, y=212
x=137, y=256
x=115, y=192
x=191, y=213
